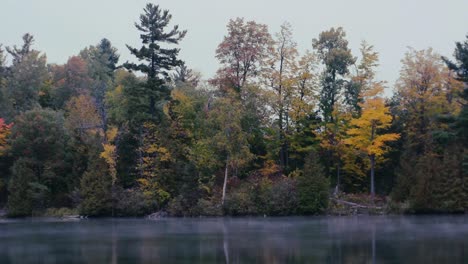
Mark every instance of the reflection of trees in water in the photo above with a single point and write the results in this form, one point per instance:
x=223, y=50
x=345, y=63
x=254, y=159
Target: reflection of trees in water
x=342, y=240
x=297, y=240
x=403, y=240
x=353, y=247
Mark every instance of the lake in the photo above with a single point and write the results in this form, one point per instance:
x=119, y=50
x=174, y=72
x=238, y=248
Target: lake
x=358, y=239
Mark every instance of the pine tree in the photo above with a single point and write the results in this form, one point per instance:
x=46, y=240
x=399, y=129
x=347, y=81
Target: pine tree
x=158, y=61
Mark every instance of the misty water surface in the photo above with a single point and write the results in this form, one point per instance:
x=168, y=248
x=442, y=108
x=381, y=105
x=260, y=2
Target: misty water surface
x=380, y=239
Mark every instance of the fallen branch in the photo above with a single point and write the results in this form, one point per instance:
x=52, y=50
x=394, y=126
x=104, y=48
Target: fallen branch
x=355, y=204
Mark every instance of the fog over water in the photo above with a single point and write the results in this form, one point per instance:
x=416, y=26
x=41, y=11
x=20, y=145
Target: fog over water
x=379, y=239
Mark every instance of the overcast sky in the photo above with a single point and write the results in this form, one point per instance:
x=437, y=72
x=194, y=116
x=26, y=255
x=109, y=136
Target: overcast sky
x=63, y=27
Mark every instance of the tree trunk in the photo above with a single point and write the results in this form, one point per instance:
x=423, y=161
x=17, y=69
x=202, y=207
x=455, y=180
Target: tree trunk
x=225, y=181
x=338, y=171
x=152, y=106
x=372, y=162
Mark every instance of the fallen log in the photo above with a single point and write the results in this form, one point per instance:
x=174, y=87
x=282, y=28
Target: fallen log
x=355, y=204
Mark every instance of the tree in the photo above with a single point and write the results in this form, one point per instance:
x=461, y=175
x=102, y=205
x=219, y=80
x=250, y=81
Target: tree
x=20, y=199
x=365, y=134
x=153, y=165
x=101, y=60
x=312, y=185
x=3, y=71
x=425, y=92
x=425, y=89
x=25, y=77
x=4, y=132
x=363, y=79
x=280, y=79
x=70, y=80
x=39, y=136
x=460, y=67
x=302, y=112
x=229, y=141
x=96, y=189
x=241, y=53
x=186, y=76
x=158, y=61
x=82, y=115
x=333, y=51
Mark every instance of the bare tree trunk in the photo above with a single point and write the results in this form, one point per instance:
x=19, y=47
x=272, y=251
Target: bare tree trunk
x=338, y=172
x=372, y=162
x=225, y=181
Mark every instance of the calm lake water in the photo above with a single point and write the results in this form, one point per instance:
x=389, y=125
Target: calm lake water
x=380, y=239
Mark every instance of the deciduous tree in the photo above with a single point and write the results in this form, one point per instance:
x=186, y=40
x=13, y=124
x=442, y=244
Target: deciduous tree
x=366, y=131
x=241, y=53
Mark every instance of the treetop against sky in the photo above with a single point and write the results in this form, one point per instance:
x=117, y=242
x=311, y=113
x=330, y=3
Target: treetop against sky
x=62, y=28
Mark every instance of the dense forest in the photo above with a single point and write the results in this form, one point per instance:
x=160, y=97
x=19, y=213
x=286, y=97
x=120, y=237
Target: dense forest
x=274, y=132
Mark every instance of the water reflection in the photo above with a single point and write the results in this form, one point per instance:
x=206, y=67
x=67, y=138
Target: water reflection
x=238, y=240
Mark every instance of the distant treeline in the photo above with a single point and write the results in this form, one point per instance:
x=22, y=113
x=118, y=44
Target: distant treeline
x=274, y=132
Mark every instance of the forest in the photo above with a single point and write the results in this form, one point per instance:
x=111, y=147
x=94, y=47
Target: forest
x=274, y=132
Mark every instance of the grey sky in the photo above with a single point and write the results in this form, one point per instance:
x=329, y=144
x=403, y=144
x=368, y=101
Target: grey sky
x=63, y=27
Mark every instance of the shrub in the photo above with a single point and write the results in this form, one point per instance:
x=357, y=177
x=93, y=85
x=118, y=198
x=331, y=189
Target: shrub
x=209, y=207
x=60, y=212
x=240, y=201
x=130, y=202
x=283, y=197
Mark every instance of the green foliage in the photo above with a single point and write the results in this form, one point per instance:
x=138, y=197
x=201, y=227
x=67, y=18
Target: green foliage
x=130, y=202
x=22, y=201
x=24, y=78
x=159, y=60
x=181, y=206
x=60, y=212
x=263, y=196
x=240, y=202
x=111, y=142
x=439, y=183
x=96, y=189
x=39, y=135
x=312, y=188
x=332, y=48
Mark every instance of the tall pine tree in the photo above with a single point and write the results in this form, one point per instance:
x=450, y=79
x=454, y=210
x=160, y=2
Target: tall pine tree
x=156, y=60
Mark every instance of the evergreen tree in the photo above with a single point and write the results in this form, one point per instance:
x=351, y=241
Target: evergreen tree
x=24, y=77
x=96, y=189
x=312, y=187
x=158, y=61
x=460, y=67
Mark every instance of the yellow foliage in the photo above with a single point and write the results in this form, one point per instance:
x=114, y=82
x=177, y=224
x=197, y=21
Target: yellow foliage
x=4, y=132
x=82, y=115
x=269, y=168
x=111, y=133
x=363, y=134
x=110, y=156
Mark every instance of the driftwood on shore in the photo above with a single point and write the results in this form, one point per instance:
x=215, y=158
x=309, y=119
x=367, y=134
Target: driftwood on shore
x=355, y=204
